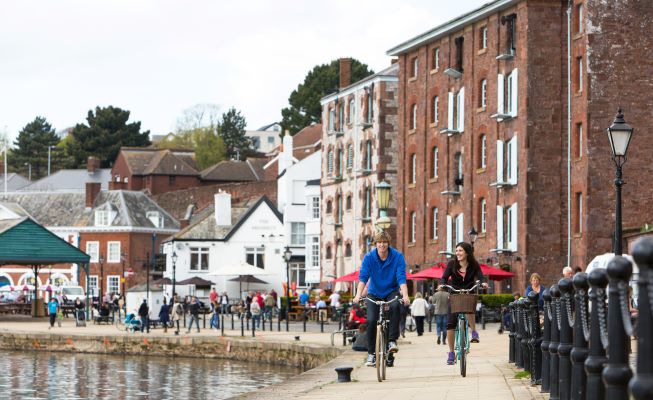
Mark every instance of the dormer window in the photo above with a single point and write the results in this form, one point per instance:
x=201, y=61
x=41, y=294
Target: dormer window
x=457, y=70
x=509, y=21
x=155, y=218
x=102, y=218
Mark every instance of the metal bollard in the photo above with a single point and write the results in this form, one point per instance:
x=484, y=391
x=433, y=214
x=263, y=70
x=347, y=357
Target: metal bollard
x=617, y=373
x=581, y=336
x=232, y=321
x=526, y=335
x=554, y=363
x=546, y=340
x=242, y=325
x=596, y=357
x=304, y=322
x=253, y=328
x=564, y=348
x=271, y=321
x=641, y=386
x=535, y=340
x=430, y=320
x=519, y=361
x=222, y=324
x=279, y=321
x=322, y=323
x=511, y=334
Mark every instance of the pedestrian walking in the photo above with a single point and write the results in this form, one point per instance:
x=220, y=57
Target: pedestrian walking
x=418, y=310
x=177, y=313
x=164, y=315
x=144, y=313
x=440, y=309
x=255, y=309
x=215, y=317
x=270, y=302
x=194, y=310
x=53, y=307
x=224, y=303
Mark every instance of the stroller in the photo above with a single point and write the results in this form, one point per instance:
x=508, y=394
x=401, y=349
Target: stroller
x=132, y=323
x=80, y=318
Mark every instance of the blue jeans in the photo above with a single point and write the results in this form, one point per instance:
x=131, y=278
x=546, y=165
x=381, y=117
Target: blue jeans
x=215, y=320
x=195, y=318
x=256, y=319
x=441, y=323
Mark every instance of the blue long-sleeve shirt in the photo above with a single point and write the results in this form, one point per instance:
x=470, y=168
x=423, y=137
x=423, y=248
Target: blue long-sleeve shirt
x=384, y=276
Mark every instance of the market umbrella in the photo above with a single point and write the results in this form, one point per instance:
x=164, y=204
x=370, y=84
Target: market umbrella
x=196, y=280
x=495, y=274
x=7, y=288
x=351, y=277
x=435, y=272
x=247, y=279
x=163, y=281
x=240, y=270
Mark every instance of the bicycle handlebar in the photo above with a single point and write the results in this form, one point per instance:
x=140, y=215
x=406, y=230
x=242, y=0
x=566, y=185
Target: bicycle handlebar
x=379, y=302
x=464, y=291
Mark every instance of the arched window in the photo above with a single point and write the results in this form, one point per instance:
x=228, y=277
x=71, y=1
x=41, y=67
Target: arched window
x=413, y=227
x=330, y=162
x=350, y=156
x=482, y=156
x=434, y=223
x=413, y=168
x=348, y=250
x=328, y=252
x=483, y=217
x=348, y=202
x=434, y=162
x=329, y=207
x=368, y=155
x=435, y=114
x=413, y=117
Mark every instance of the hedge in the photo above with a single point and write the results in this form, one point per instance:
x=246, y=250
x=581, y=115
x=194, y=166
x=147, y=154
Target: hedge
x=496, y=300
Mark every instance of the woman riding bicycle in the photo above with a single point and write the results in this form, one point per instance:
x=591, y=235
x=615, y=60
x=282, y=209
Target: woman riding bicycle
x=385, y=268
x=463, y=271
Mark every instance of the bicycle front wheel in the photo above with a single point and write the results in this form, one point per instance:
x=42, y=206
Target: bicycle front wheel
x=462, y=353
x=380, y=353
x=120, y=324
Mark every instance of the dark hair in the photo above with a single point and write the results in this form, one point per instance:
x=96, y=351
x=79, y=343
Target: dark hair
x=471, y=261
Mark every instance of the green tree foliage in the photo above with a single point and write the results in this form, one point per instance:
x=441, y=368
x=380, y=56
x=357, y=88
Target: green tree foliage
x=305, y=108
x=107, y=131
x=208, y=146
x=232, y=131
x=31, y=147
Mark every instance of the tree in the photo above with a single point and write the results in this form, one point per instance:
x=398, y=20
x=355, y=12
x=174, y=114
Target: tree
x=232, y=131
x=199, y=116
x=305, y=108
x=107, y=131
x=31, y=147
x=210, y=149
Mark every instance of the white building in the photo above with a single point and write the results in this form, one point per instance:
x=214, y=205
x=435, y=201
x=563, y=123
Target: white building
x=265, y=138
x=224, y=237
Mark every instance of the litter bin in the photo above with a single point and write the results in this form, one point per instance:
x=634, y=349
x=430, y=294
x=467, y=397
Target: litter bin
x=40, y=307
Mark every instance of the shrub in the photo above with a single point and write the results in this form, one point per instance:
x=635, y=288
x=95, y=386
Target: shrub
x=496, y=300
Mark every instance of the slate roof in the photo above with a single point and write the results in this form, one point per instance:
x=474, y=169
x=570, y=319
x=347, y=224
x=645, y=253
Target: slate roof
x=308, y=136
x=70, y=180
x=236, y=171
x=146, y=161
x=205, y=228
x=14, y=181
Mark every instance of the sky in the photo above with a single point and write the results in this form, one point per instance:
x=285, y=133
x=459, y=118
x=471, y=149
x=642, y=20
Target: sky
x=156, y=58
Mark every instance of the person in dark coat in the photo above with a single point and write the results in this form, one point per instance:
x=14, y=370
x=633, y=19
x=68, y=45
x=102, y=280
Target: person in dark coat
x=164, y=315
x=144, y=312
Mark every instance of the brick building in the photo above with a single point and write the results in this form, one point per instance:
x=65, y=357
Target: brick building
x=484, y=132
x=359, y=149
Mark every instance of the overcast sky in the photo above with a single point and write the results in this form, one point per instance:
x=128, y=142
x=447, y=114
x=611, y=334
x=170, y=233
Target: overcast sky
x=58, y=59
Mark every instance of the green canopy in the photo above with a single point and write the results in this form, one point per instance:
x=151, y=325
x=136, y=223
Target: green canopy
x=24, y=242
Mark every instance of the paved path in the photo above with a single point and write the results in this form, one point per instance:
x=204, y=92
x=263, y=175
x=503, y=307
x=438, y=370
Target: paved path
x=420, y=370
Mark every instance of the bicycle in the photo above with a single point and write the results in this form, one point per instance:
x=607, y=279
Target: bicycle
x=463, y=302
x=382, y=327
x=129, y=323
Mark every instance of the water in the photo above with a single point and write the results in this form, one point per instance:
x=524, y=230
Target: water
x=42, y=375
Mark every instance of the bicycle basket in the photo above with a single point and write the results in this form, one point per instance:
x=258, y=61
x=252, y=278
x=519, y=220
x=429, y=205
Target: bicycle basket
x=463, y=303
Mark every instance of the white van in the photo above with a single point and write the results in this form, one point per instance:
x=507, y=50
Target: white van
x=73, y=293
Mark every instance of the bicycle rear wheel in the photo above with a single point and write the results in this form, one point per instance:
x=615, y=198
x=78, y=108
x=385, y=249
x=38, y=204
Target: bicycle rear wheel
x=462, y=352
x=380, y=352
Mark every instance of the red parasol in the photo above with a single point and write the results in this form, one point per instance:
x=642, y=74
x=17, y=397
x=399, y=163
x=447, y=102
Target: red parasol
x=351, y=277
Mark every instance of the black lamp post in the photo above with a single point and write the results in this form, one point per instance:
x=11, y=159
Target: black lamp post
x=123, y=257
x=287, y=254
x=101, y=260
x=619, y=134
x=174, y=272
x=383, y=202
x=472, y=236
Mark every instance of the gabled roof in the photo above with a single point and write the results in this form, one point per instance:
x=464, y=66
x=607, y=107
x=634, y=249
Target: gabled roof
x=146, y=161
x=236, y=171
x=205, y=228
x=14, y=181
x=70, y=180
x=310, y=136
x=266, y=127
x=24, y=242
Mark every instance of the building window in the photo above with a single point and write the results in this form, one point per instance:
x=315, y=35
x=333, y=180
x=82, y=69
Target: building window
x=483, y=38
x=348, y=250
x=341, y=117
x=348, y=202
x=113, y=252
x=93, y=285
x=483, y=98
x=459, y=53
x=350, y=156
x=579, y=141
x=434, y=223
x=460, y=228
x=456, y=111
x=579, y=18
x=368, y=243
x=483, y=216
x=93, y=250
x=113, y=283
x=297, y=233
x=482, y=157
x=155, y=218
x=458, y=171
x=329, y=207
x=315, y=207
x=435, y=117
x=298, y=274
x=315, y=252
x=434, y=162
x=255, y=256
x=102, y=218
x=413, y=117
x=579, y=74
x=330, y=162
x=328, y=252
x=413, y=168
x=511, y=161
x=172, y=179
x=436, y=58
x=370, y=105
x=368, y=155
x=449, y=237
x=367, y=207
x=341, y=162
x=271, y=140
x=339, y=210
x=415, y=67
x=413, y=227
x=578, y=215
x=350, y=117
x=509, y=21
x=199, y=259
x=332, y=119
x=507, y=95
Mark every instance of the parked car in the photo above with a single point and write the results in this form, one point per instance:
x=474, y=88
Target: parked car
x=72, y=293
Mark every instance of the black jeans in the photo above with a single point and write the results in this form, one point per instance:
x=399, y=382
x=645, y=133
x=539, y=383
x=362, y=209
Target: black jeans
x=419, y=322
x=373, y=316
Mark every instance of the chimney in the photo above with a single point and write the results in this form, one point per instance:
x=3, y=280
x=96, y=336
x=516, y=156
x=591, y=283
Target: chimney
x=92, y=190
x=345, y=72
x=92, y=164
x=222, y=209
x=285, y=160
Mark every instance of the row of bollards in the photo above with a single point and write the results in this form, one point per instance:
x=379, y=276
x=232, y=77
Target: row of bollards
x=583, y=318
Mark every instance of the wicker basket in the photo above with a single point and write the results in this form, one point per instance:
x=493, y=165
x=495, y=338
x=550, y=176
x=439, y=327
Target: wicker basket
x=463, y=303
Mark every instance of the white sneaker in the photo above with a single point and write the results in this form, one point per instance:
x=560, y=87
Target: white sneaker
x=371, y=360
x=392, y=347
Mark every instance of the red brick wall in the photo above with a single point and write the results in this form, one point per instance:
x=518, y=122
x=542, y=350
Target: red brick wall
x=163, y=183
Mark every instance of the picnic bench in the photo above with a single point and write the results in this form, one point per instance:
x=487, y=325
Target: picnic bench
x=15, y=308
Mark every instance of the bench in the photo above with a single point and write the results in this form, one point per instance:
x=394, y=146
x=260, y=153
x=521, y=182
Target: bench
x=490, y=314
x=102, y=319
x=346, y=332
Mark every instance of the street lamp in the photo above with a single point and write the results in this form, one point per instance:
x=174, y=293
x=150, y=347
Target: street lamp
x=101, y=260
x=287, y=254
x=383, y=201
x=50, y=157
x=29, y=169
x=472, y=236
x=619, y=134
x=123, y=257
x=174, y=272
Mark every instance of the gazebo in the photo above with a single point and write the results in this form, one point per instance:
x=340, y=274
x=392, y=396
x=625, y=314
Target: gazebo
x=25, y=242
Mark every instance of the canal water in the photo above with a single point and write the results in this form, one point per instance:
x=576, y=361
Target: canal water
x=42, y=375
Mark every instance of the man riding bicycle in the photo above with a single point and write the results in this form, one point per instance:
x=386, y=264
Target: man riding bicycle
x=464, y=271
x=385, y=269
